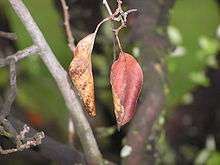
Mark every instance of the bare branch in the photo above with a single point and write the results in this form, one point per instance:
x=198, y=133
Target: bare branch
x=120, y=16
x=153, y=48
x=12, y=92
x=33, y=141
x=72, y=46
x=61, y=77
x=116, y=31
x=7, y=128
x=107, y=7
x=51, y=149
x=19, y=55
x=10, y=36
x=67, y=26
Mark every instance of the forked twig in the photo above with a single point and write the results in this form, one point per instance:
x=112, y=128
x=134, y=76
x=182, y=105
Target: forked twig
x=119, y=16
x=23, y=143
x=83, y=129
x=19, y=55
x=6, y=128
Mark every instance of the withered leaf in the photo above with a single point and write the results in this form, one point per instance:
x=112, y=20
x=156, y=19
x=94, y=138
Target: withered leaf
x=80, y=71
x=126, y=79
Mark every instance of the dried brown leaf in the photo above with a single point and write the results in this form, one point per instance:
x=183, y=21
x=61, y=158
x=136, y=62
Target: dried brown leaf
x=80, y=71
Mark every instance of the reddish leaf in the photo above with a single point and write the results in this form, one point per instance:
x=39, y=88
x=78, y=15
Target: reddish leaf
x=80, y=71
x=126, y=80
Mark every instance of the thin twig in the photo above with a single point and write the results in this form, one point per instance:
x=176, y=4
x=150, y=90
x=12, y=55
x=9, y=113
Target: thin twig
x=112, y=25
x=52, y=150
x=12, y=91
x=8, y=35
x=107, y=7
x=120, y=16
x=33, y=141
x=61, y=77
x=103, y=21
x=116, y=31
x=71, y=44
x=19, y=55
x=7, y=128
x=67, y=25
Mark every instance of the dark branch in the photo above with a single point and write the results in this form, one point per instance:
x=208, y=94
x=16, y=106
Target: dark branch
x=22, y=142
x=12, y=91
x=154, y=15
x=61, y=77
x=6, y=128
x=53, y=150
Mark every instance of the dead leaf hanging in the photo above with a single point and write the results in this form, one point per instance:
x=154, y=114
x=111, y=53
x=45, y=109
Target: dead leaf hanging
x=126, y=79
x=80, y=71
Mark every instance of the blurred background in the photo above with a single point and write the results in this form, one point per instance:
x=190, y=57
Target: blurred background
x=191, y=133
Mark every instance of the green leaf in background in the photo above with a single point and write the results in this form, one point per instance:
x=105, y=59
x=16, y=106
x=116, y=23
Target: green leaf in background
x=175, y=36
x=214, y=159
x=205, y=154
x=193, y=32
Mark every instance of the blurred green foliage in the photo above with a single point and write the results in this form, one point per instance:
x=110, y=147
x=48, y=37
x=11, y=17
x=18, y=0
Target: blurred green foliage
x=214, y=159
x=193, y=32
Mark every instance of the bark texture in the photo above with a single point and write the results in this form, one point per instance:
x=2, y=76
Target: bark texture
x=148, y=29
